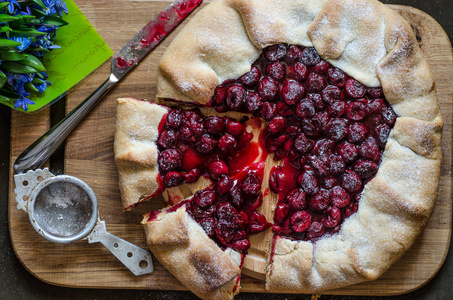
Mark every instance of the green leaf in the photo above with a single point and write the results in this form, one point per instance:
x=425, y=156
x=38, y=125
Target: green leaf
x=15, y=67
x=7, y=92
x=9, y=43
x=10, y=55
x=53, y=20
x=31, y=86
x=37, y=80
x=7, y=18
x=3, y=5
x=21, y=20
x=3, y=79
x=34, y=62
x=27, y=32
x=4, y=99
x=38, y=13
x=5, y=29
x=39, y=49
x=39, y=2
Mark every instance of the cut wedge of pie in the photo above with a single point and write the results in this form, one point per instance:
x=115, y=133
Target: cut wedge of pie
x=336, y=92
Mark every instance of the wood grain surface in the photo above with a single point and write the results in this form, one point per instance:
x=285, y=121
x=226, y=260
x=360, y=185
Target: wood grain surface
x=89, y=156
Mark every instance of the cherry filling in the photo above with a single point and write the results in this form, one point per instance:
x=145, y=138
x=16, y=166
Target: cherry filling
x=191, y=145
x=328, y=128
x=227, y=211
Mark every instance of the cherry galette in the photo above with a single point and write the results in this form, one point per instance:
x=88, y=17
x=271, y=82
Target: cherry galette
x=337, y=93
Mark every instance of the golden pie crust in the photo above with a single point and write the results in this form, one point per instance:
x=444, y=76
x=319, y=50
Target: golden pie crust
x=369, y=42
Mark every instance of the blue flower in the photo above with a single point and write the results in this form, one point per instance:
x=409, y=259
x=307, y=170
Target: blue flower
x=23, y=94
x=11, y=5
x=42, y=86
x=50, y=7
x=12, y=78
x=24, y=102
x=60, y=6
x=27, y=12
x=25, y=42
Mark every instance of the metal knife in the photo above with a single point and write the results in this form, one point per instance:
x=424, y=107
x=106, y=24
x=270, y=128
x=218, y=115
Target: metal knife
x=125, y=60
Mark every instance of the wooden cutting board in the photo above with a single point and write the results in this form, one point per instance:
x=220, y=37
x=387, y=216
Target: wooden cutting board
x=89, y=156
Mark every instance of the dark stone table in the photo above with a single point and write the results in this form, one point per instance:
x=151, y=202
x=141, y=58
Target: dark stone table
x=17, y=283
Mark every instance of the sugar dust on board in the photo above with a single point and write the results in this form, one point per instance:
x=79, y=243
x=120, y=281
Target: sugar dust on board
x=63, y=209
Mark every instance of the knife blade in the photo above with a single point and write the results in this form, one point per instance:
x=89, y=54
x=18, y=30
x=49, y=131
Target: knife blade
x=151, y=35
x=125, y=60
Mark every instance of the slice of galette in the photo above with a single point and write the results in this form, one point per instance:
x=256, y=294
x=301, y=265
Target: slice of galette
x=353, y=123
x=157, y=148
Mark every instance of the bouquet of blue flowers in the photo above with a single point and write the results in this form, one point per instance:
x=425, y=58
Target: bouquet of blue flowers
x=27, y=30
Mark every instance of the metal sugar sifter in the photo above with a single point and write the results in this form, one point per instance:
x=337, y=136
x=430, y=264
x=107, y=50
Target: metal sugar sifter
x=64, y=209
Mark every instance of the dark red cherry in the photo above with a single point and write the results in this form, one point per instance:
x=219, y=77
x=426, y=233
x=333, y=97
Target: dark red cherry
x=315, y=83
x=236, y=196
x=204, y=198
x=258, y=222
x=209, y=225
x=234, y=127
x=268, y=111
x=277, y=179
x=174, y=118
x=252, y=101
x=300, y=221
x=297, y=71
x=297, y=199
x=354, y=88
x=365, y=169
x=277, y=125
x=350, y=181
x=321, y=68
x=235, y=97
x=227, y=144
x=169, y=160
x=173, y=178
x=337, y=77
x=356, y=111
x=267, y=89
x=305, y=109
x=292, y=91
x=381, y=133
x=315, y=230
x=320, y=201
x=332, y=218
x=293, y=53
x=370, y=149
x=276, y=70
x=206, y=144
x=167, y=139
x=192, y=175
x=339, y=197
x=281, y=212
x=357, y=133
x=348, y=152
x=337, y=129
x=303, y=144
x=275, y=52
x=332, y=94
x=309, y=183
x=217, y=168
x=223, y=185
x=310, y=56
x=214, y=125
x=251, y=185
x=250, y=78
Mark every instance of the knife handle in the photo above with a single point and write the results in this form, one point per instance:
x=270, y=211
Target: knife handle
x=36, y=155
